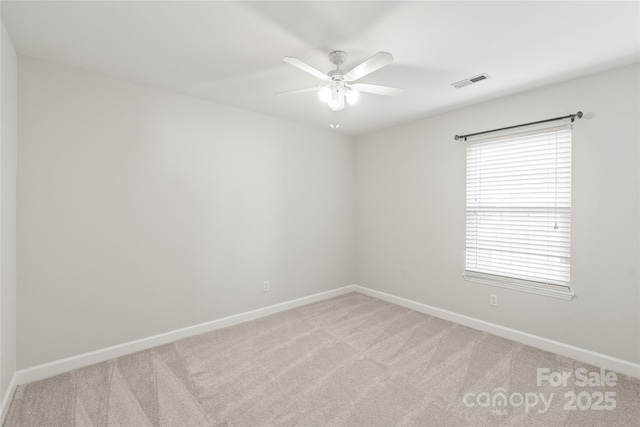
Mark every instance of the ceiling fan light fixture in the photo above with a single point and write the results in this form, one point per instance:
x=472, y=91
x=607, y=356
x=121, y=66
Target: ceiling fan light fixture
x=353, y=96
x=337, y=99
x=325, y=94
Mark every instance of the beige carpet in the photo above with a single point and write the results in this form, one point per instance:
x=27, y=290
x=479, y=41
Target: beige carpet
x=347, y=361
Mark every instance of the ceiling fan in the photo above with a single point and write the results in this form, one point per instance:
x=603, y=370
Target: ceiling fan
x=342, y=84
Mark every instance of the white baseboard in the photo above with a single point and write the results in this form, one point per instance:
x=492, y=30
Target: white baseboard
x=587, y=356
x=47, y=370
x=64, y=365
x=7, y=397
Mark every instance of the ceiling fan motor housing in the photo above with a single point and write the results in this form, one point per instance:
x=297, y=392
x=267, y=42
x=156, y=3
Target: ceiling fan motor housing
x=336, y=75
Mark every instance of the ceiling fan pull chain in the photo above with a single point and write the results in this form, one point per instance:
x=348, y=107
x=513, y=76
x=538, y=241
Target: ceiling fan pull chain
x=334, y=123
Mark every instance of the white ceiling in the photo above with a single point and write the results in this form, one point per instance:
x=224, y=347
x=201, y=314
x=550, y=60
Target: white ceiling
x=231, y=52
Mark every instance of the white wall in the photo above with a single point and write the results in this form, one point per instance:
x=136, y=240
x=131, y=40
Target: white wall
x=143, y=211
x=8, y=153
x=410, y=191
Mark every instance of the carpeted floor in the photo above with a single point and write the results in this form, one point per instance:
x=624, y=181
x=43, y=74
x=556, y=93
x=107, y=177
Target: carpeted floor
x=348, y=361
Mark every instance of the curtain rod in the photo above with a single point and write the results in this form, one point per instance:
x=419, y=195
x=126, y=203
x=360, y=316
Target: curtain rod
x=570, y=116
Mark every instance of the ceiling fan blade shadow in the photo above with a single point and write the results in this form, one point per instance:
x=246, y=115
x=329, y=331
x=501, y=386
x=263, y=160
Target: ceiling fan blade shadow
x=303, y=90
x=372, y=64
x=322, y=26
x=377, y=89
x=306, y=68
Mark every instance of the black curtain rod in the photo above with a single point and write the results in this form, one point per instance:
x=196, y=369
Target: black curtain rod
x=570, y=116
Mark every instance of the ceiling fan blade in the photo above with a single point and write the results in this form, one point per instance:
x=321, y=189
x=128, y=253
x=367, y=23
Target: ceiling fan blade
x=294, y=91
x=377, y=89
x=306, y=68
x=372, y=64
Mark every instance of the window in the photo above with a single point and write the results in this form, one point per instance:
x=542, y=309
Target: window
x=518, y=215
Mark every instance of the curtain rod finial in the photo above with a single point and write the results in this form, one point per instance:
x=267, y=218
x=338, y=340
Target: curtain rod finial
x=457, y=137
x=579, y=114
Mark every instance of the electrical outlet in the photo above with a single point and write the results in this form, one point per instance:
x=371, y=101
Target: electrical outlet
x=265, y=286
x=493, y=300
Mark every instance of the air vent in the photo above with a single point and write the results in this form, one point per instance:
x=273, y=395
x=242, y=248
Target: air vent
x=470, y=80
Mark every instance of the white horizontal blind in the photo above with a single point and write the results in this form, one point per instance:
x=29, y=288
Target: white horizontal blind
x=518, y=219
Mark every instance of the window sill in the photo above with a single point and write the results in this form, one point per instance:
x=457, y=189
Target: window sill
x=518, y=285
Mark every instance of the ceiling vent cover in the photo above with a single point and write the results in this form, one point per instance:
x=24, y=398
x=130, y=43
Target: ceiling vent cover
x=470, y=80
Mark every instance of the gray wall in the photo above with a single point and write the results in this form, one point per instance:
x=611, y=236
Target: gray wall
x=411, y=214
x=143, y=211
x=8, y=153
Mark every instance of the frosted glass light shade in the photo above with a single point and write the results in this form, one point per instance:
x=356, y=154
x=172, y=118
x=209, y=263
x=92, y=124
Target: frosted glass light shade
x=353, y=96
x=337, y=100
x=325, y=94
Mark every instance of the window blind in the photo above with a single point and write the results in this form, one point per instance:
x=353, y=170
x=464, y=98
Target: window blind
x=518, y=208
